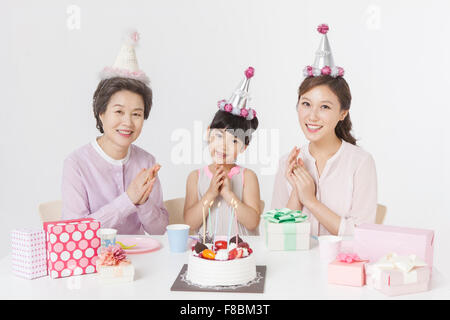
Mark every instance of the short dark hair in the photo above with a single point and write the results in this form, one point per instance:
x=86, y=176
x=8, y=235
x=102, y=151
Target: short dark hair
x=238, y=126
x=107, y=87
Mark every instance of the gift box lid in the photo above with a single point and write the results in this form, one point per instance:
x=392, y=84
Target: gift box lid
x=50, y=224
x=372, y=241
x=394, y=229
x=27, y=231
x=341, y=264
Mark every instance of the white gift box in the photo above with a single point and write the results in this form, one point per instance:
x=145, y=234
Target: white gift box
x=287, y=236
x=124, y=272
x=396, y=275
x=28, y=255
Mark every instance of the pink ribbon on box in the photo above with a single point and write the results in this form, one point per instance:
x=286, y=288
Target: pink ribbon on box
x=349, y=257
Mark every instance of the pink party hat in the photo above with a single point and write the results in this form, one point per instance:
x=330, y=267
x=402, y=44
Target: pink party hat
x=126, y=65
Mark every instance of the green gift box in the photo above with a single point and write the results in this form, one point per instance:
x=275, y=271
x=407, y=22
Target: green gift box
x=286, y=229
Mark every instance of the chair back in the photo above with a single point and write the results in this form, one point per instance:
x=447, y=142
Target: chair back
x=175, y=207
x=50, y=211
x=381, y=214
x=261, y=206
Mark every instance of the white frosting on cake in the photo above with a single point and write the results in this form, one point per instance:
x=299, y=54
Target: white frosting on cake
x=222, y=254
x=221, y=273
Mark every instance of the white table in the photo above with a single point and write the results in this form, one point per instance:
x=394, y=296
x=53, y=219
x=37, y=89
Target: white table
x=290, y=275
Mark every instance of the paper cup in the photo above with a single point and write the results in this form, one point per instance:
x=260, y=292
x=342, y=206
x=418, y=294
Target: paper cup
x=178, y=236
x=329, y=247
x=107, y=237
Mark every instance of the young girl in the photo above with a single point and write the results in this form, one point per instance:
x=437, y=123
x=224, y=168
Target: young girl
x=223, y=183
x=331, y=179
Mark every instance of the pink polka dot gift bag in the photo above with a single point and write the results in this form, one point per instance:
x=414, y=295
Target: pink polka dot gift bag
x=72, y=247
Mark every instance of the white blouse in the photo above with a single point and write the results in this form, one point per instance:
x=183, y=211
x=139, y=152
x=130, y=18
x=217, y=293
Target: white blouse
x=347, y=186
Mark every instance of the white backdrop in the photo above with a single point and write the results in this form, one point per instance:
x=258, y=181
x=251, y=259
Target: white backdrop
x=395, y=53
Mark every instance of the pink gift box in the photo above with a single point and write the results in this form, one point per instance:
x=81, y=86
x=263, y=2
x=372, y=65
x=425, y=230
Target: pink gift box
x=28, y=255
x=372, y=241
x=347, y=274
x=393, y=282
x=72, y=246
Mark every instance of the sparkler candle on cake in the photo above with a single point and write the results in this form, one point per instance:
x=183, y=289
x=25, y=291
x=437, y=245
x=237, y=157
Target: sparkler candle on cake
x=206, y=237
x=215, y=222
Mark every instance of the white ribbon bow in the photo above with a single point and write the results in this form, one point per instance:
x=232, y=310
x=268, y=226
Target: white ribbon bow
x=405, y=264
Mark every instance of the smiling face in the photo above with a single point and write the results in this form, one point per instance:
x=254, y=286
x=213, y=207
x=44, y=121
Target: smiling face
x=319, y=111
x=123, y=119
x=224, y=147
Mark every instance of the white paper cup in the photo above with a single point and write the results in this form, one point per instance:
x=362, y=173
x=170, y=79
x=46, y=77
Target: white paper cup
x=178, y=236
x=329, y=247
x=107, y=237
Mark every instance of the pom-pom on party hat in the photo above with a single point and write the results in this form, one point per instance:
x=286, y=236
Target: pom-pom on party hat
x=237, y=104
x=324, y=62
x=126, y=65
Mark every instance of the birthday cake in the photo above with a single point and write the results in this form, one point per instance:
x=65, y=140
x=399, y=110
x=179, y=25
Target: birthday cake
x=221, y=263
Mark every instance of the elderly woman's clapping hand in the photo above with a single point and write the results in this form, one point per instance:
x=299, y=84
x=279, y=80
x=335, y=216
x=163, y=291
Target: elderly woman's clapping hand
x=142, y=185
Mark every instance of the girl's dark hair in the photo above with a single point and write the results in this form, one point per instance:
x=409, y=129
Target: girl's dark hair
x=107, y=87
x=238, y=126
x=341, y=89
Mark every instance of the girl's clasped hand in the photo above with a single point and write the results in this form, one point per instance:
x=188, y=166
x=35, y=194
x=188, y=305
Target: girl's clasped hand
x=220, y=184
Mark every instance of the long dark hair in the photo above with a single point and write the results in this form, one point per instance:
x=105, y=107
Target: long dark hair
x=341, y=89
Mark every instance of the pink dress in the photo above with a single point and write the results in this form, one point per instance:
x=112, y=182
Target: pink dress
x=94, y=185
x=347, y=186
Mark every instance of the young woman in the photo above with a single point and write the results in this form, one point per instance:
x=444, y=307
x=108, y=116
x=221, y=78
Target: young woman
x=331, y=179
x=110, y=179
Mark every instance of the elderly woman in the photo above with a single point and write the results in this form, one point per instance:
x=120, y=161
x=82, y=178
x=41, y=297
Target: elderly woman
x=110, y=179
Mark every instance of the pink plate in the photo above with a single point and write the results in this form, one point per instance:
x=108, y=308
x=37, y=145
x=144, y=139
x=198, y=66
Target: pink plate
x=143, y=244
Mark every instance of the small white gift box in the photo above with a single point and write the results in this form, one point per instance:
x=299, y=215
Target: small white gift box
x=124, y=272
x=28, y=254
x=286, y=229
x=396, y=275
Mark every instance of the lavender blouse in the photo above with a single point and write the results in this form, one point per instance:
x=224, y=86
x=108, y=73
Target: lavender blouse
x=95, y=185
